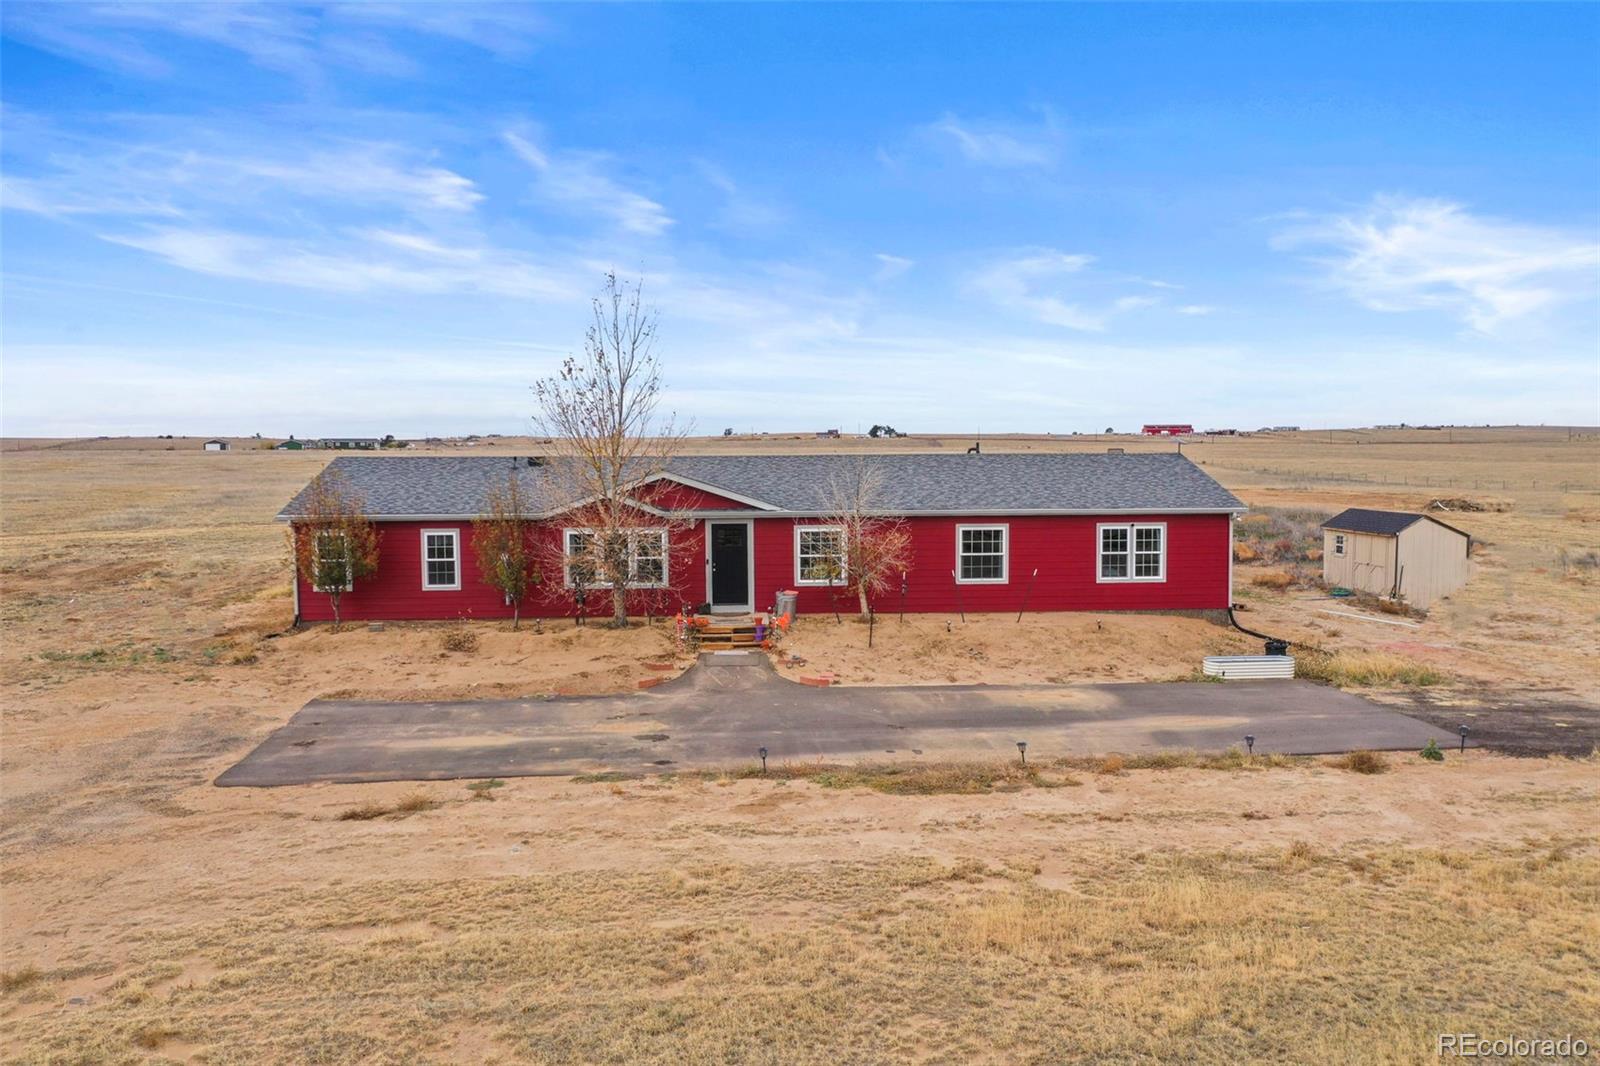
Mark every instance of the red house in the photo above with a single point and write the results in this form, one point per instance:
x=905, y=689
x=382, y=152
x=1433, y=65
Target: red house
x=1167, y=429
x=1101, y=532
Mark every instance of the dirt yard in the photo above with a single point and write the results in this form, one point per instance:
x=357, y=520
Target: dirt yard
x=1302, y=911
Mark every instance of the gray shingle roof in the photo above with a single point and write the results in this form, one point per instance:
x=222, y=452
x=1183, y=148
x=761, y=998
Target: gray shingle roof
x=959, y=484
x=1362, y=520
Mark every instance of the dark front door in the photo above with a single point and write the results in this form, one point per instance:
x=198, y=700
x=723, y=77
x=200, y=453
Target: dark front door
x=730, y=564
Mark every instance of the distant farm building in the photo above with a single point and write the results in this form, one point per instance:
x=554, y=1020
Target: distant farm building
x=351, y=443
x=1404, y=556
x=1167, y=429
x=215, y=446
x=290, y=445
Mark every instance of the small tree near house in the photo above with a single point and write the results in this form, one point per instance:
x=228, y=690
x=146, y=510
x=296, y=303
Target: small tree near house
x=332, y=542
x=874, y=547
x=610, y=440
x=502, y=542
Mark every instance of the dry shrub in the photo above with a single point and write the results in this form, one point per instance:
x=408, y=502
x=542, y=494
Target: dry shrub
x=1272, y=579
x=1364, y=669
x=1361, y=762
x=1280, y=534
x=1580, y=564
x=1111, y=764
x=153, y=1035
x=364, y=812
x=412, y=802
x=459, y=638
x=1300, y=853
x=18, y=979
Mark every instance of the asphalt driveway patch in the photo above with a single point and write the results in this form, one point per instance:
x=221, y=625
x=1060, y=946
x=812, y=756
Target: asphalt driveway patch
x=728, y=706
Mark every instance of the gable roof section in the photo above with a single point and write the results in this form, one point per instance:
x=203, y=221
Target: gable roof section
x=452, y=487
x=1382, y=523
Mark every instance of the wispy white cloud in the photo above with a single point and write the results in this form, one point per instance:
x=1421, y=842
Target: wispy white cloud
x=376, y=261
x=578, y=179
x=163, y=179
x=1405, y=254
x=1195, y=309
x=742, y=213
x=992, y=143
x=300, y=41
x=891, y=266
x=1035, y=282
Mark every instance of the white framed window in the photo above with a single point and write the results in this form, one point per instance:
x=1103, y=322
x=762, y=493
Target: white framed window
x=647, y=558
x=329, y=560
x=983, y=555
x=1132, y=551
x=1338, y=544
x=441, y=559
x=819, y=555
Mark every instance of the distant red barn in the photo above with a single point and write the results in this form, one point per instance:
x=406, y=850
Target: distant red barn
x=1088, y=532
x=1173, y=429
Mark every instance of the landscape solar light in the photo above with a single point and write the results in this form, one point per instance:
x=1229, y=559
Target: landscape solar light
x=1463, y=730
x=763, y=753
x=1022, y=750
x=1250, y=743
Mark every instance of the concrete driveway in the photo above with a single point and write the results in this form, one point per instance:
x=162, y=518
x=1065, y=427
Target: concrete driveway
x=732, y=703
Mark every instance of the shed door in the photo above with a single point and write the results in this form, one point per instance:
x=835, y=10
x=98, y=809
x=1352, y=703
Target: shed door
x=1370, y=559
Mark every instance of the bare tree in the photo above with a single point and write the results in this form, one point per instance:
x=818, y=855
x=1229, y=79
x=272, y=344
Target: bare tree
x=502, y=542
x=610, y=439
x=331, y=541
x=874, y=547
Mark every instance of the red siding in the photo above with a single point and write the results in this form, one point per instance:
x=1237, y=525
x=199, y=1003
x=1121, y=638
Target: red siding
x=395, y=592
x=672, y=496
x=1063, y=549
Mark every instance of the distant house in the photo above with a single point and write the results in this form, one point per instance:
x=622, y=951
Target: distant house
x=1083, y=532
x=1167, y=429
x=1392, y=553
x=290, y=445
x=366, y=444
x=215, y=446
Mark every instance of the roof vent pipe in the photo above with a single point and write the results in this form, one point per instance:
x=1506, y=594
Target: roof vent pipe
x=1114, y=451
x=974, y=450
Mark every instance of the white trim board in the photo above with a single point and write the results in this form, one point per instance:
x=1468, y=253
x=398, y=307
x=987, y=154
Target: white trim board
x=1043, y=512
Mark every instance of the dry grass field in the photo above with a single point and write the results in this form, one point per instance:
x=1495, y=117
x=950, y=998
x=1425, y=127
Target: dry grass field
x=1282, y=910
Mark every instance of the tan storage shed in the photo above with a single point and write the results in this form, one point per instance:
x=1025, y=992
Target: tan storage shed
x=1395, y=554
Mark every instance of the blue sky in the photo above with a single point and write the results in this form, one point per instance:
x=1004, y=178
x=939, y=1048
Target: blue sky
x=387, y=218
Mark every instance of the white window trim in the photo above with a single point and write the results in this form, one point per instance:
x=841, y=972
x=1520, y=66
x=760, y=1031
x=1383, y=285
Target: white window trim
x=1338, y=544
x=316, y=540
x=1132, y=528
x=844, y=557
x=455, y=552
x=1005, y=554
x=633, y=533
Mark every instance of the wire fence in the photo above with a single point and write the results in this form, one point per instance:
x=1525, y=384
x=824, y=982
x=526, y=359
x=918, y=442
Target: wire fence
x=1425, y=481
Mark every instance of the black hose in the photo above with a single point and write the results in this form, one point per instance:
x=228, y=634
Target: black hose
x=1250, y=632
